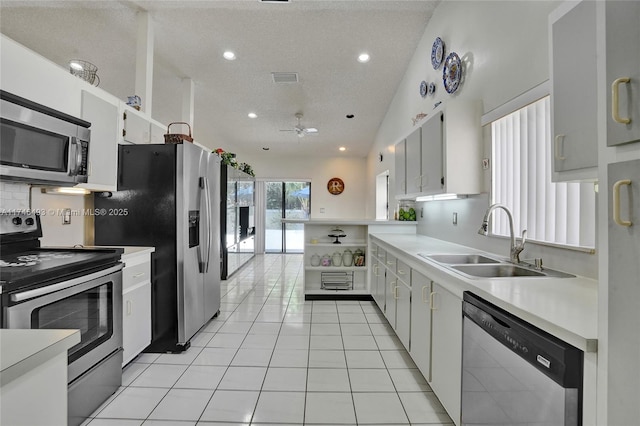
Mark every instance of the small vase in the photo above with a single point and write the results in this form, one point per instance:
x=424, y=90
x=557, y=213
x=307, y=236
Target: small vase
x=326, y=260
x=347, y=258
x=315, y=260
x=336, y=259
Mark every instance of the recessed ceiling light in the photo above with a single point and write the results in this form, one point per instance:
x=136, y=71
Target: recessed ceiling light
x=229, y=55
x=363, y=57
x=76, y=65
x=342, y=148
x=252, y=115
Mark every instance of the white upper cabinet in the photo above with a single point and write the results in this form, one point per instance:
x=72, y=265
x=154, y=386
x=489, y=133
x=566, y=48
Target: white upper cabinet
x=622, y=22
x=444, y=155
x=432, y=176
x=573, y=64
x=413, y=155
x=103, y=147
x=157, y=132
x=401, y=168
x=136, y=128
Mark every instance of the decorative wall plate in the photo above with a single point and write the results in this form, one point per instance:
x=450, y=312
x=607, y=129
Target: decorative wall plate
x=423, y=88
x=335, y=186
x=432, y=88
x=437, y=53
x=452, y=72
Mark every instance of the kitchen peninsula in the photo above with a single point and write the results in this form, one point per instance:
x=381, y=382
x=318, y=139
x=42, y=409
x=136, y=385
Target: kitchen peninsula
x=331, y=269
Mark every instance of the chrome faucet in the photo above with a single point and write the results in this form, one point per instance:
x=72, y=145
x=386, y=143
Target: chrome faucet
x=516, y=249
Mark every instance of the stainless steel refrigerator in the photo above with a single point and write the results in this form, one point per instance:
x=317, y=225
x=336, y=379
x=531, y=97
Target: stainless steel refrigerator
x=168, y=197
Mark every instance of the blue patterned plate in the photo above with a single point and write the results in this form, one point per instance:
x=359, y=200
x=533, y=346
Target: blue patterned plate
x=452, y=72
x=423, y=88
x=437, y=53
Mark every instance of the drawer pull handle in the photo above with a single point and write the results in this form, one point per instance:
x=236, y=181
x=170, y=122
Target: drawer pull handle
x=138, y=275
x=616, y=203
x=432, y=298
x=424, y=294
x=615, y=104
x=395, y=292
x=128, y=307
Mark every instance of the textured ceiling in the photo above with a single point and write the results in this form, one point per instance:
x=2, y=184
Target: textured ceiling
x=320, y=40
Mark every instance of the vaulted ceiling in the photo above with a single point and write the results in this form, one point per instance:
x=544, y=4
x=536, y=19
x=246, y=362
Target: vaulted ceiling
x=318, y=40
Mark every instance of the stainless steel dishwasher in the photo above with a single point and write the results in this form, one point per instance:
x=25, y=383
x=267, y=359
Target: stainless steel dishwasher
x=514, y=373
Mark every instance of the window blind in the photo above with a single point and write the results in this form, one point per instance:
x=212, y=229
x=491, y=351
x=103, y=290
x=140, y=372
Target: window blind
x=559, y=213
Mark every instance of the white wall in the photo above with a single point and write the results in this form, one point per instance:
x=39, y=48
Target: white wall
x=504, y=47
x=348, y=205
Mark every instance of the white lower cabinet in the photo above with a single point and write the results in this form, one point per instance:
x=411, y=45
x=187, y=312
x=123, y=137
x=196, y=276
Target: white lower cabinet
x=378, y=284
x=421, y=323
x=391, y=281
x=446, y=349
x=403, y=312
x=136, y=306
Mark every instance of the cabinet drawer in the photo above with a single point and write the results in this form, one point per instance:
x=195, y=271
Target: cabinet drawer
x=381, y=254
x=132, y=275
x=403, y=272
x=391, y=262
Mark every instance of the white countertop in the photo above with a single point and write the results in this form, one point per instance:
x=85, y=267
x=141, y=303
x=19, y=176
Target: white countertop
x=130, y=251
x=564, y=307
x=338, y=221
x=23, y=350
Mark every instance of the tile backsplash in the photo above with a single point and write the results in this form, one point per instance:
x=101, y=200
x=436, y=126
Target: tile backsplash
x=14, y=196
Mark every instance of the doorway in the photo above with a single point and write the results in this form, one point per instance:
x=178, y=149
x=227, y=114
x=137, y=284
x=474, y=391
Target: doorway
x=286, y=200
x=382, y=196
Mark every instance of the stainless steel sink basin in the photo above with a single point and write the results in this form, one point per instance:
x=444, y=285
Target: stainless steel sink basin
x=507, y=270
x=461, y=259
x=497, y=270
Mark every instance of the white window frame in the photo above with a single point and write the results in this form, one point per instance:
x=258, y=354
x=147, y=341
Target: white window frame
x=570, y=222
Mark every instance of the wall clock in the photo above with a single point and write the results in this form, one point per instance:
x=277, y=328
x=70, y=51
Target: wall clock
x=335, y=186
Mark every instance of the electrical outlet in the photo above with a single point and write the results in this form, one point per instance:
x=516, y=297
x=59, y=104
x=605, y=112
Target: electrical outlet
x=66, y=217
x=455, y=218
x=321, y=209
x=485, y=163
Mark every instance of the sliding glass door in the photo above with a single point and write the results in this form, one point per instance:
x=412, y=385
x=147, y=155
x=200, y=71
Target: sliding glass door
x=286, y=200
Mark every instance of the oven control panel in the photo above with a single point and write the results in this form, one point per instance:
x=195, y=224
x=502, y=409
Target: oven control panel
x=12, y=222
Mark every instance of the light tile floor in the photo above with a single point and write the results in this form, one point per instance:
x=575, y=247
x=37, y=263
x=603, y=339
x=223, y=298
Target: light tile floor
x=272, y=358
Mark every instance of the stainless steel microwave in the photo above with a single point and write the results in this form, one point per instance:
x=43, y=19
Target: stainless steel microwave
x=40, y=145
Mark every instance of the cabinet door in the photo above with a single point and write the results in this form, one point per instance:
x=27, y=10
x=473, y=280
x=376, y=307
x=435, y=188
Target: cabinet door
x=413, y=155
x=624, y=296
x=103, y=146
x=136, y=320
x=157, y=133
x=432, y=157
x=378, y=284
x=421, y=323
x=446, y=349
x=623, y=62
x=401, y=168
x=136, y=128
x=391, y=281
x=403, y=312
x=573, y=98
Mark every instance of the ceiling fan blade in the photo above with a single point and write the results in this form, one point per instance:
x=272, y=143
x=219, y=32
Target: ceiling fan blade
x=287, y=130
x=311, y=130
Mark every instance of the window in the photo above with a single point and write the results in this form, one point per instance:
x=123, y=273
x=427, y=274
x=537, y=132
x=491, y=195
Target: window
x=557, y=213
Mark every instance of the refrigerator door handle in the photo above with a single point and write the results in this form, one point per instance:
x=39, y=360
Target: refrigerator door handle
x=201, y=263
x=208, y=210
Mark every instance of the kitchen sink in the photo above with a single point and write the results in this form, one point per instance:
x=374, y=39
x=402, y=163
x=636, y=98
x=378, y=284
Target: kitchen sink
x=507, y=270
x=497, y=270
x=460, y=259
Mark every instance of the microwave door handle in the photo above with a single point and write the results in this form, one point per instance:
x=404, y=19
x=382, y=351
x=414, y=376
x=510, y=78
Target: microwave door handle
x=75, y=156
x=42, y=291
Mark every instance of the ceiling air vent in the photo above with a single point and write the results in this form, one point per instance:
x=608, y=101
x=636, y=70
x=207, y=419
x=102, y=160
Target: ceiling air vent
x=274, y=1
x=284, y=77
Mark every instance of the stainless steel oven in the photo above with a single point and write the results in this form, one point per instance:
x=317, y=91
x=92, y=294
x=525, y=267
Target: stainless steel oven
x=41, y=145
x=90, y=303
x=65, y=288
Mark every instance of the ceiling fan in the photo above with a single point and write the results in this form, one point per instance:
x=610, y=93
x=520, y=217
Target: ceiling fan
x=300, y=130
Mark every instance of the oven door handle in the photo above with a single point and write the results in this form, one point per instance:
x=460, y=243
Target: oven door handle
x=19, y=297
